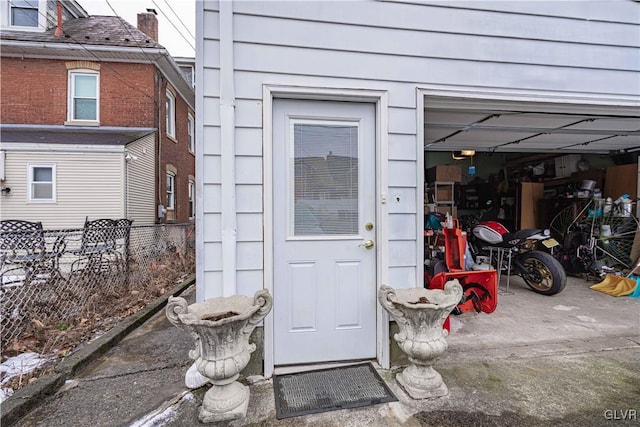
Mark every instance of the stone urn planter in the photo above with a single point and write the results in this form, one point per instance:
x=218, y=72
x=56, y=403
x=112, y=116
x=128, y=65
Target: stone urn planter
x=221, y=328
x=420, y=314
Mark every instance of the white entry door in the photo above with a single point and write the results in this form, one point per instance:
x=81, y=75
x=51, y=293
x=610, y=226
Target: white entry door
x=324, y=231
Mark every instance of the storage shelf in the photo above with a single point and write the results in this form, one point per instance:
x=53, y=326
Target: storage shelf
x=440, y=197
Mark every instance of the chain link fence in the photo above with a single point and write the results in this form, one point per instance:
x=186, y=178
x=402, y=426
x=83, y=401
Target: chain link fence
x=57, y=275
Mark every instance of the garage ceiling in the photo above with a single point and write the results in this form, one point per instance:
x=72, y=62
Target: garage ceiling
x=529, y=127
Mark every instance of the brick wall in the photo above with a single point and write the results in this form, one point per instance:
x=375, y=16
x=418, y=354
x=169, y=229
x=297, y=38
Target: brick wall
x=34, y=91
x=175, y=152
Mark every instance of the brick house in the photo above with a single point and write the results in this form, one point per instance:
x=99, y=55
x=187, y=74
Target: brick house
x=97, y=119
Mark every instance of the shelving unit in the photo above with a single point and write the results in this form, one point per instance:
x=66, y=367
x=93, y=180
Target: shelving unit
x=468, y=197
x=440, y=197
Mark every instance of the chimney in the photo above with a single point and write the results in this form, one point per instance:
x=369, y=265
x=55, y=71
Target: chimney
x=59, y=32
x=148, y=23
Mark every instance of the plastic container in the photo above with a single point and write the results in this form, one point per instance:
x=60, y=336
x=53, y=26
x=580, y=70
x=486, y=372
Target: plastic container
x=588, y=185
x=626, y=207
x=621, y=198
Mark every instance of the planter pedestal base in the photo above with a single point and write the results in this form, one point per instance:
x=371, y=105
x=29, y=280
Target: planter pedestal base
x=422, y=382
x=224, y=403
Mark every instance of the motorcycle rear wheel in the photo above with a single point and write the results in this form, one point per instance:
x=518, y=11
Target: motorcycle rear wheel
x=544, y=274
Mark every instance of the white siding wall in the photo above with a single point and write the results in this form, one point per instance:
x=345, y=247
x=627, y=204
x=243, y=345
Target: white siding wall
x=87, y=184
x=396, y=47
x=208, y=89
x=141, y=191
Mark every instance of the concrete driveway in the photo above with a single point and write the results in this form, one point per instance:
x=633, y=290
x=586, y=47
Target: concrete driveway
x=570, y=359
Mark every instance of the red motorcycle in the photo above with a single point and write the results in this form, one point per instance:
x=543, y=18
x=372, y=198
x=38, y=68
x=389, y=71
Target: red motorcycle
x=520, y=254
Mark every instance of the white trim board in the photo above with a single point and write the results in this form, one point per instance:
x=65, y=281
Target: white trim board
x=60, y=148
x=467, y=97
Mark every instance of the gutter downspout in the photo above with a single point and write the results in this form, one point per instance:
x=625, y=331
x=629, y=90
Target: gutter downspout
x=126, y=186
x=199, y=108
x=159, y=173
x=228, y=161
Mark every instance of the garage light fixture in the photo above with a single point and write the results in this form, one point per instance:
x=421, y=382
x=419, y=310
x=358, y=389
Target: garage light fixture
x=463, y=154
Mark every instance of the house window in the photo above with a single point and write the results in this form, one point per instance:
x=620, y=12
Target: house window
x=190, y=131
x=42, y=183
x=187, y=72
x=192, y=199
x=171, y=115
x=83, y=95
x=27, y=14
x=171, y=191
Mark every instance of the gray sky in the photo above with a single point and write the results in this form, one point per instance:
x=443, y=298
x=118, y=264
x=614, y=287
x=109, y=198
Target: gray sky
x=171, y=31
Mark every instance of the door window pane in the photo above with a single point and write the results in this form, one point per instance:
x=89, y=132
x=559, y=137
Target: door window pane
x=325, y=179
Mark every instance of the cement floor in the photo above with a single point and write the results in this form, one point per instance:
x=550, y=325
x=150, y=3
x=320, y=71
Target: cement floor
x=571, y=359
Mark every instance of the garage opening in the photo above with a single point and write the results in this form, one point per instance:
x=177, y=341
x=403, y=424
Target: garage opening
x=569, y=168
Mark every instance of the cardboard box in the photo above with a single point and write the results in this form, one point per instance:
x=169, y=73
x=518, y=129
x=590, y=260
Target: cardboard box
x=444, y=193
x=444, y=173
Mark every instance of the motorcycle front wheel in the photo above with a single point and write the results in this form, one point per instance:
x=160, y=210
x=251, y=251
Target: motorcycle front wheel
x=543, y=274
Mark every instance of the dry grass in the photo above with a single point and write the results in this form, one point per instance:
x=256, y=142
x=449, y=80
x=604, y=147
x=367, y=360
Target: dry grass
x=109, y=305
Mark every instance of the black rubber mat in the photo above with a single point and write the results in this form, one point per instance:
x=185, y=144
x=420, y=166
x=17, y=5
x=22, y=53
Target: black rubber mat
x=329, y=390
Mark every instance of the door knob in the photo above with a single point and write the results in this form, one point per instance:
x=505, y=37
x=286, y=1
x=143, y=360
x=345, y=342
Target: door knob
x=368, y=244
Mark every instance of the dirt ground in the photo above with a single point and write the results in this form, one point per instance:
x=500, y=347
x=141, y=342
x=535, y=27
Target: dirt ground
x=55, y=339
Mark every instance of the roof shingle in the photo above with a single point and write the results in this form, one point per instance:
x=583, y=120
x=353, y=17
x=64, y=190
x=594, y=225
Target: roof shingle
x=94, y=30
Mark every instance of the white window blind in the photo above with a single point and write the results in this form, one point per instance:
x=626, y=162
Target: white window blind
x=325, y=179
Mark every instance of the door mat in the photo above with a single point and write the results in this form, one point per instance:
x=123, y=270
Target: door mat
x=329, y=390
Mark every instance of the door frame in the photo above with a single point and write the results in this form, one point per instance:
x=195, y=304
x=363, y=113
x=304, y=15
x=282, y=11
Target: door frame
x=380, y=99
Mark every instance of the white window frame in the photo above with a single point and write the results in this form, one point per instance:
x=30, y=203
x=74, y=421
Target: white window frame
x=192, y=199
x=171, y=191
x=42, y=16
x=191, y=133
x=31, y=182
x=71, y=89
x=170, y=105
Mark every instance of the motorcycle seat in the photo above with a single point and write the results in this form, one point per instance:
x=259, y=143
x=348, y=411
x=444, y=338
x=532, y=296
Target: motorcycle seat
x=517, y=236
